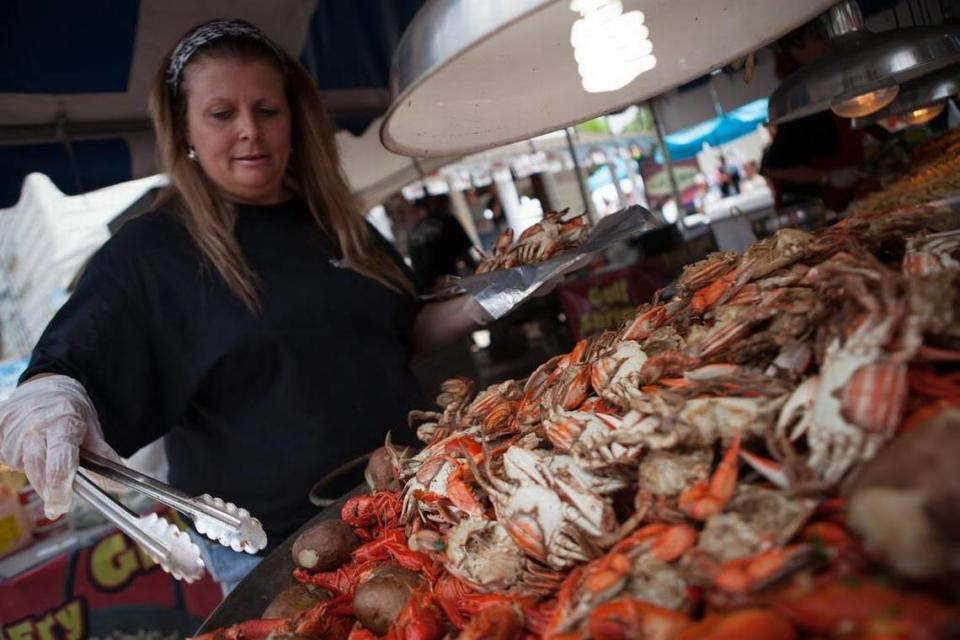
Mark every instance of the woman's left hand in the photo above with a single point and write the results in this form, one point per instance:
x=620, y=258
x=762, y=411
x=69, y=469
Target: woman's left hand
x=440, y=324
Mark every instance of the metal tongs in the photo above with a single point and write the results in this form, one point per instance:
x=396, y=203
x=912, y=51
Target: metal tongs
x=172, y=549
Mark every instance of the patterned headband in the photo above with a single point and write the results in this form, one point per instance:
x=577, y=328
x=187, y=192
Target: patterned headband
x=205, y=34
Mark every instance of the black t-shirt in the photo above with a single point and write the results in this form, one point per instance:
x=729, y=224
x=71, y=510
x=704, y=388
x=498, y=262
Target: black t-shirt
x=255, y=407
x=799, y=143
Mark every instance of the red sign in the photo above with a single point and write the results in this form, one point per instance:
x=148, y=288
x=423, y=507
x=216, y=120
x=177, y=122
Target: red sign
x=106, y=588
x=600, y=302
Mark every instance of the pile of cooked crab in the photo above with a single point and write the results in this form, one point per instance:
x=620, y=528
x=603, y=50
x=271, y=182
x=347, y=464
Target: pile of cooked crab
x=557, y=232
x=767, y=451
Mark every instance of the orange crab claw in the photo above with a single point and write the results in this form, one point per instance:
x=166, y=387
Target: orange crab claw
x=576, y=389
x=708, y=296
x=772, y=471
x=597, y=405
x=673, y=542
x=752, y=573
x=702, y=500
x=645, y=323
x=460, y=493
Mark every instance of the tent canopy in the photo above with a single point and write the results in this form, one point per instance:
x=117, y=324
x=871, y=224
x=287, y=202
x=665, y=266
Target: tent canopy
x=78, y=73
x=715, y=131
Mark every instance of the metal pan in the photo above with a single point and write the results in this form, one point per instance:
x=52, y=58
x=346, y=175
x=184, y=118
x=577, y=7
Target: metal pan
x=270, y=577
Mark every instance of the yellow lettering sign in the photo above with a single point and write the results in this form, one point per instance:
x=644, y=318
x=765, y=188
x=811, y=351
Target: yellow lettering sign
x=595, y=296
x=596, y=321
x=67, y=622
x=613, y=293
x=20, y=631
x=113, y=562
x=45, y=628
x=70, y=619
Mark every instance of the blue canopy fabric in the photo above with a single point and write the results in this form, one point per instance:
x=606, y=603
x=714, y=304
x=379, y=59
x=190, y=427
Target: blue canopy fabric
x=86, y=66
x=716, y=131
x=66, y=47
x=94, y=164
x=601, y=177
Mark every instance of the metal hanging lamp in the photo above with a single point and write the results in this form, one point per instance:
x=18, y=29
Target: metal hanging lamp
x=469, y=75
x=919, y=100
x=864, y=71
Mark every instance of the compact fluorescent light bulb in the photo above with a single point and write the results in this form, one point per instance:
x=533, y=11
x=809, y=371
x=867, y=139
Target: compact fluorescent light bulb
x=611, y=47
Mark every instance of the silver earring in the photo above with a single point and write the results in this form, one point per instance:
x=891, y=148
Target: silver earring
x=192, y=153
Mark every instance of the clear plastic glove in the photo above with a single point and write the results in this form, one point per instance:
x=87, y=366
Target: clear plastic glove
x=42, y=427
x=844, y=178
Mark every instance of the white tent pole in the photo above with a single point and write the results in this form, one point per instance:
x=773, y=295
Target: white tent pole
x=639, y=189
x=581, y=180
x=507, y=192
x=667, y=162
x=461, y=210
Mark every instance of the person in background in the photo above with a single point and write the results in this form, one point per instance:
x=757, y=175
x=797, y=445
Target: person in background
x=728, y=177
x=752, y=180
x=253, y=319
x=438, y=244
x=819, y=156
x=487, y=211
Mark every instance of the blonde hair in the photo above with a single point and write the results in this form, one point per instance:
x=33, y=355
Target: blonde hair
x=313, y=173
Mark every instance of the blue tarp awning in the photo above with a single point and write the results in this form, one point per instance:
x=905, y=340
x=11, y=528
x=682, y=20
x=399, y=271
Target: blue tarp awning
x=84, y=68
x=601, y=176
x=716, y=131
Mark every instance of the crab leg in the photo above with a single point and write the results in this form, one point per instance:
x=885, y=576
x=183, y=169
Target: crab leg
x=702, y=500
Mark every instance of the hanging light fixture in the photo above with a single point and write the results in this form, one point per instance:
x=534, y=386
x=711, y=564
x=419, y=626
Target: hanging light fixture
x=865, y=103
x=923, y=114
x=919, y=100
x=862, y=73
x=611, y=47
x=468, y=75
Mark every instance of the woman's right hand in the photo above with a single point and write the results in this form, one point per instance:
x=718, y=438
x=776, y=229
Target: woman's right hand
x=43, y=424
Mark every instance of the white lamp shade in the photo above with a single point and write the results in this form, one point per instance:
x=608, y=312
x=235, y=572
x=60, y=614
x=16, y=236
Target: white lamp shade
x=474, y=74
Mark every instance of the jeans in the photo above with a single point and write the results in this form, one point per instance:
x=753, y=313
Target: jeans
x=226, y=566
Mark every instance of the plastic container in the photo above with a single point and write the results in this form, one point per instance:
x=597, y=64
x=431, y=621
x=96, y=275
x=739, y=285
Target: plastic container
x=15, y=532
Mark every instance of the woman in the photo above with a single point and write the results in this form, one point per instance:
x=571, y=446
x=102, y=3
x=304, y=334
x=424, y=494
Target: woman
x=253, y=318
